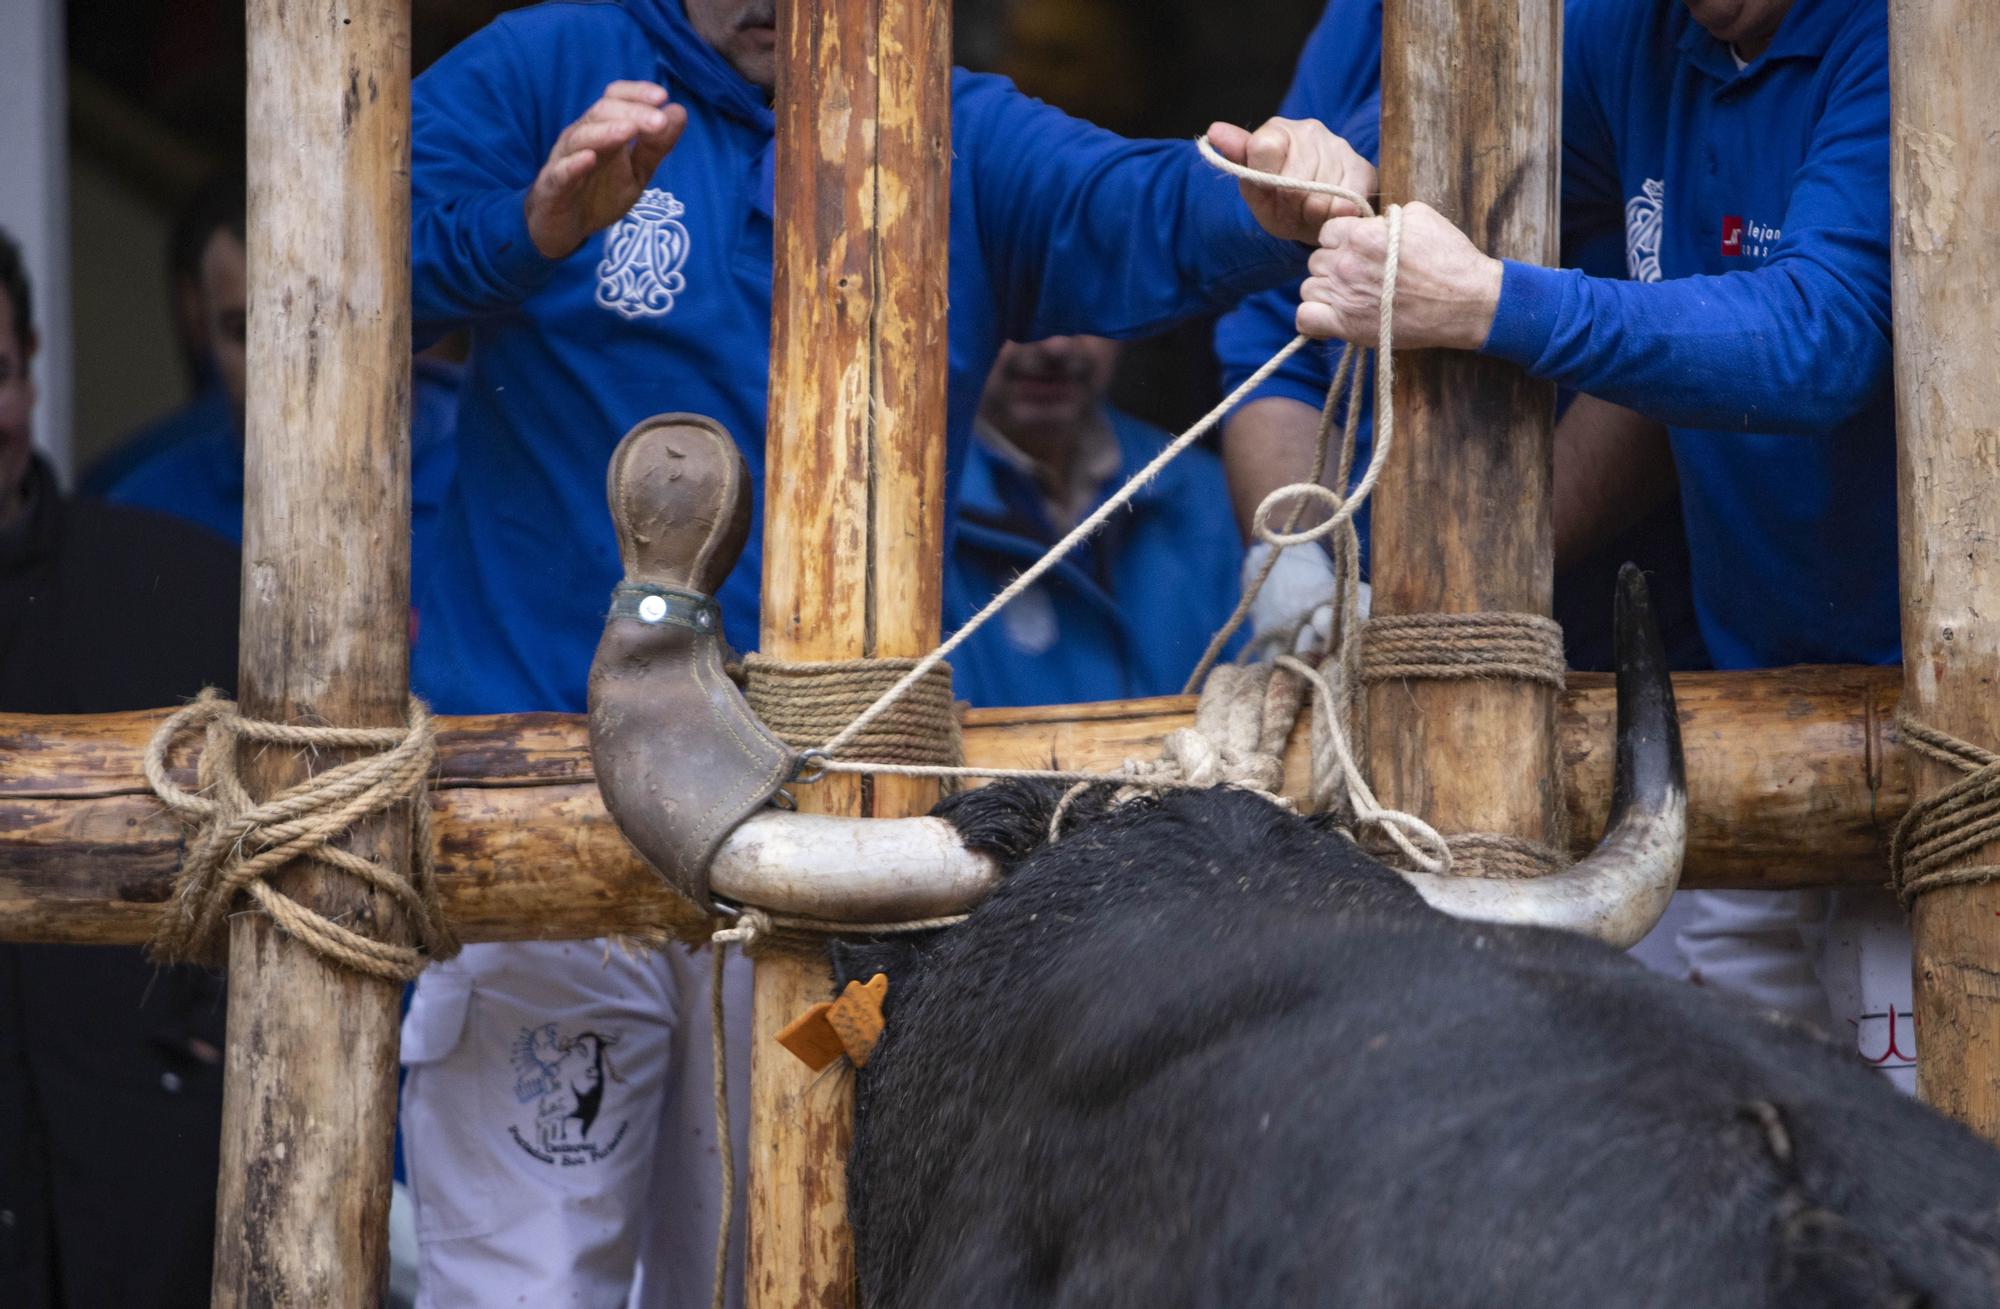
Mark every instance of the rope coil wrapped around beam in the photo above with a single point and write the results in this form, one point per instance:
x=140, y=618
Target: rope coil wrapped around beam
x=236, y=842
x=1941, y=828
x=1521, y=647
x=805, y=702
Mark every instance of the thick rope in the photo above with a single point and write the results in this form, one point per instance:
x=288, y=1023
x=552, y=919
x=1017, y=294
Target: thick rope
x=236, y=842
x=804, y=702
x=1945, y=827
x=1524, y=647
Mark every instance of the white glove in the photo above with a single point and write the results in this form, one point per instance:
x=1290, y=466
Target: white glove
x=1302, y=585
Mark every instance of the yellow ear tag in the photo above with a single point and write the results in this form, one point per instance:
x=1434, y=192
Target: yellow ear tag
x=850, y=1026
x=857, y=1017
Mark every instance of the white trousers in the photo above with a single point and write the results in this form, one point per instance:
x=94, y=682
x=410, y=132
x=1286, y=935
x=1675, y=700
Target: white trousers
x=1840, y=960
x=559, y=1126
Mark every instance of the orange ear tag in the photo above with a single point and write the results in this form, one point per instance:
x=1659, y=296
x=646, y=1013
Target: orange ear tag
x=812, y=1038
x=849, y=1025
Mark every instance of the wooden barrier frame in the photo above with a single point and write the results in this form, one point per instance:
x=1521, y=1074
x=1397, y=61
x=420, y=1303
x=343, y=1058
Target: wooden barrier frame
x=858, y=369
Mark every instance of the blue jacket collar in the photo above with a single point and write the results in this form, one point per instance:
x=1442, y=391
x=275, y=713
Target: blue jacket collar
x=1806, y=33
x=695, y=69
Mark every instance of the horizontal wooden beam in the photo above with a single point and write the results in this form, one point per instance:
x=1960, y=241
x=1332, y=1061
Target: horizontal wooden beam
x=1792, y=779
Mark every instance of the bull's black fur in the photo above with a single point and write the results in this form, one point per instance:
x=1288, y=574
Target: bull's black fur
x=1200, y=1052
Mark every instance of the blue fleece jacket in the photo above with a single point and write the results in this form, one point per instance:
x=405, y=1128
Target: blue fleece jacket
x=1056, y=227
x=1753, y=317
x=1127, y=615
x=194, y=465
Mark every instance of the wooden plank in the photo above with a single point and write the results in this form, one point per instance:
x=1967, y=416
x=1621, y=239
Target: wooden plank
x=1946, y=113
x=854, y=488
x=1794, y=779
x=1462, y=518
x=309, y=1100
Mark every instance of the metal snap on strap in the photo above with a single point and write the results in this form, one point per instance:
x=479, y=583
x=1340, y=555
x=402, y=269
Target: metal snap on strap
x=655, y=605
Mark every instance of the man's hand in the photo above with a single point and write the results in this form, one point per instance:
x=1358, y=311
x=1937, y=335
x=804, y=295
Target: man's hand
x=1294, y=148
x=600, y=165
x=1446, y=291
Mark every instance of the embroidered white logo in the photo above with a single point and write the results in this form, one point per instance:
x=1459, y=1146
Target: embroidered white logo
x=640, y=273
x=1643, y=217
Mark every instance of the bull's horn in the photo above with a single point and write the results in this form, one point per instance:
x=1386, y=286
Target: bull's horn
x=1621, y=888
x=684, y=766
x=851, y=870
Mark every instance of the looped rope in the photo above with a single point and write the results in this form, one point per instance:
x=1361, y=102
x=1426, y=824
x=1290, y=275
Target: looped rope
x=236, y=842
x=1525, y=647
x=804, y=702
x=1949, y=825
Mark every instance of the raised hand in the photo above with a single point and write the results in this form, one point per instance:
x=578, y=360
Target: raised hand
x=600, y=165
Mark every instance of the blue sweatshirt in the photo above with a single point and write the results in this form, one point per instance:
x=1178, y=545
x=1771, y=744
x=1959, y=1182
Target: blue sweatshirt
x=1753, y=317
x=1127, y=615
x=1056, y=227
x=197, y=475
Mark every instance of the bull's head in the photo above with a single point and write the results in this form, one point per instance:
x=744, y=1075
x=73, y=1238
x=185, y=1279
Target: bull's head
x=689, y=773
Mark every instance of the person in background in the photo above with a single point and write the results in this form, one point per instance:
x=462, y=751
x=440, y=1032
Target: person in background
x=1130, y=611
x=1740, y=151
x=190, y=462
x=110, y=1068
x=206, y=290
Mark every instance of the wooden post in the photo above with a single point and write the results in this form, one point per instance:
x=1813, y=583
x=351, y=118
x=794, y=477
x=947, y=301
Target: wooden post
x=854, y=514
x=1947, y=271
x=309, y=1105
x=1470, y=93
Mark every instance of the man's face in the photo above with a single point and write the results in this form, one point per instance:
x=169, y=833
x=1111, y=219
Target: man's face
x=17, y=403
x=1047, y=390
x=1746, y=24
x=224, y=290
x=746, y=33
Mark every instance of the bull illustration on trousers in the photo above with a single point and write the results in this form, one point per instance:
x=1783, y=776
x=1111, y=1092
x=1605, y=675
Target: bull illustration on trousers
x=1203, y=1051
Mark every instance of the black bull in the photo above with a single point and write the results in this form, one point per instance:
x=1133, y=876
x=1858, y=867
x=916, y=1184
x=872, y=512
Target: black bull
x=1204, y=1052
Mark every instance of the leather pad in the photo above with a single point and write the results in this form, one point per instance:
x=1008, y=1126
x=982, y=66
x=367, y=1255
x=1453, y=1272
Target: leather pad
x=680, y=759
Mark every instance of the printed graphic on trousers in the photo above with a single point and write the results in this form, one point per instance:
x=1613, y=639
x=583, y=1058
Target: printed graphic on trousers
x=566, y=1088
x=1644, y=215
x=640, y=274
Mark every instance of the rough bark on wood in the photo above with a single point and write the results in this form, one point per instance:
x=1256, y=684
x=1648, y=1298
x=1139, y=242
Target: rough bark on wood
x=1946, y=114
x=1794, y=778
x=1461, y=518
x=309, y=1098
x=853, y=536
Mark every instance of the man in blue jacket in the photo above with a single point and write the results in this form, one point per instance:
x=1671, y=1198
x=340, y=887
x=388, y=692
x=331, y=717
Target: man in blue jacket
x=592, y=194
x=1130, y=612
x=189, y=463
x=1739, y=153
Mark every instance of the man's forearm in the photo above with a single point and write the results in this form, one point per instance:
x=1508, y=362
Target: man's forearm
x=1613, y=467
x=1268, y=444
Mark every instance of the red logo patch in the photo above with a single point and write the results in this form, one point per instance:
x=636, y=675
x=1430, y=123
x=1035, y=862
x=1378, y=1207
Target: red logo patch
x=1732, y=234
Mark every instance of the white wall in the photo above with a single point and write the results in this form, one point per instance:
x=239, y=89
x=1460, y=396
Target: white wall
x=34, y=196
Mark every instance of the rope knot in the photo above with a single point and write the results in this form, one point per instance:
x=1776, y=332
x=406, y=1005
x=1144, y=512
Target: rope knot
x=1940, y=829
x=235, y=842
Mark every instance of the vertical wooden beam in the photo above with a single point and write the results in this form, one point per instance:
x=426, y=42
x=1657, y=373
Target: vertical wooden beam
x=1471, y=96
x=309, y=1105
x=1946, y=112
x=854, y=516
